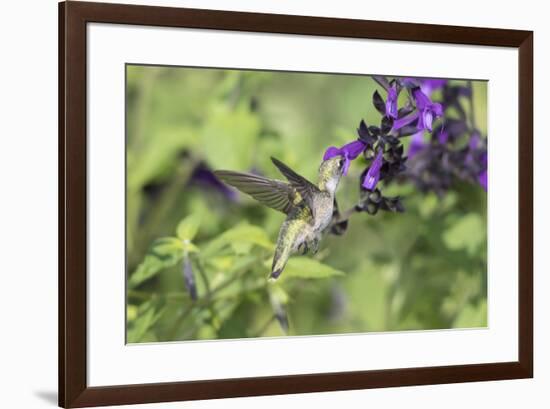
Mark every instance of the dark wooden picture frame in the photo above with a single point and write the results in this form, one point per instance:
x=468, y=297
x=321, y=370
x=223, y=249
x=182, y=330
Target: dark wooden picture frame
x=73, y=388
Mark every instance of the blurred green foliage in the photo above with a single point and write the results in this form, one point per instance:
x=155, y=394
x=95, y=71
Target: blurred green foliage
x=422, y=269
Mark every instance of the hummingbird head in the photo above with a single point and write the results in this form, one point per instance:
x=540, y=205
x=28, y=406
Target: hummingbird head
x=330, y=172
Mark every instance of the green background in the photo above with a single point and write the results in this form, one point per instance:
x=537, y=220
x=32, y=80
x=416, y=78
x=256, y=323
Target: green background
x=422, y=269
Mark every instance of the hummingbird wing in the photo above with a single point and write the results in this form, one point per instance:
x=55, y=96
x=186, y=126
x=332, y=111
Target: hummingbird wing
x=273, y=193
x=304, y=187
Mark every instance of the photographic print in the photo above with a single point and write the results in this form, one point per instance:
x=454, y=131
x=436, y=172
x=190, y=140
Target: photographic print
x=270, y=203
x=218, y=206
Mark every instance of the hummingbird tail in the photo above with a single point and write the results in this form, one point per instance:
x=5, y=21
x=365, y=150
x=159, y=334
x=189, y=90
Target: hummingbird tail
x=289, y=237
x=279, y=262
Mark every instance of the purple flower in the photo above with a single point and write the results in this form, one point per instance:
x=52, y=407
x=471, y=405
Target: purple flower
x=476, y=157
x=443, y=136
x=482, y=179
x=373, y=174
x=349, y=151
x=427, y=109
x=417, y=144
x=404, y=121
x=202, y=175
x=474, y=141
x=484, y=160
x=391, y=102
x=429, y=85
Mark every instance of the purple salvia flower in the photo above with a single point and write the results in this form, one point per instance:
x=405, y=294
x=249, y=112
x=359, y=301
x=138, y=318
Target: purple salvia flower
x=349, y=151
x=482, y=179
x=417, y=144
x=443, y=136
x=409, y=82
x=406, y=120
x=426, y=112
x=474, y=141
x=473, y=145
x=484, y=160
x=430, y=85
x=373, y=174
x=202, y=175
x=391, y=102
x=427, y=109
x=427, y=85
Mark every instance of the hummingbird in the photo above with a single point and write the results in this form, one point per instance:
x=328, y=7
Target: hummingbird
x=308, y=207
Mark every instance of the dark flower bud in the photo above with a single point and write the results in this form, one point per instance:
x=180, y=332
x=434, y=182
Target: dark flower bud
x=374, y=130
x=408, y=130
x=396, y=152
x=389, y=140
x=369, y=154
x=379, y=103
x=364, y=134
x=189, y=278
x=374, y=196
x=392, y=204
x=339, y=227
x=386, y=125
x=382, y=81
x=372, y=208
x=406, y=110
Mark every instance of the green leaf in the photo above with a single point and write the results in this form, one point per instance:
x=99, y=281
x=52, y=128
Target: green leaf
x=468, y=233
x=166, y=247
x=187, y=229
x=164, y=253
x=242, y=234
x=304, y=267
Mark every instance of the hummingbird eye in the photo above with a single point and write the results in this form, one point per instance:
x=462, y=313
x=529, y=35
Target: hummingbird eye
x=341, y=163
